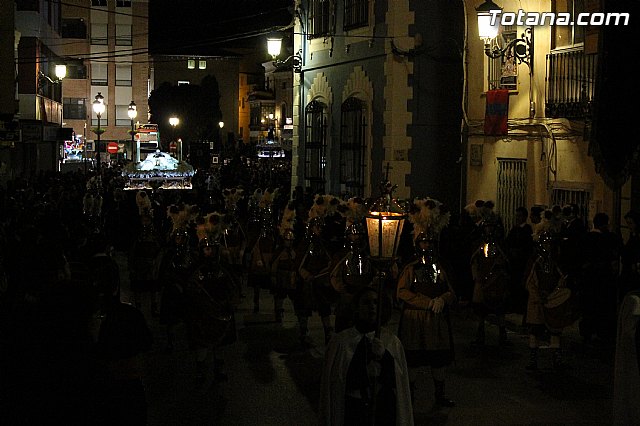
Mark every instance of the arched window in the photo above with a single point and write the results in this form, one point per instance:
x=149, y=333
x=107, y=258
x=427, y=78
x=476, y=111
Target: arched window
x=315, y=144
x=352, y=146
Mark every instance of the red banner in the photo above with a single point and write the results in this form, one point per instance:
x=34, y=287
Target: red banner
x=496, y=113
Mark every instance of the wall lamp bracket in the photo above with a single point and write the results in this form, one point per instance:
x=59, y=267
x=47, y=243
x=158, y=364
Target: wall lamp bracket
x=521, y=49
x=295, y=61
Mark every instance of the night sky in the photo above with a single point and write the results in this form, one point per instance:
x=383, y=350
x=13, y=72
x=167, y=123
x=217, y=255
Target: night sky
x=205, y=26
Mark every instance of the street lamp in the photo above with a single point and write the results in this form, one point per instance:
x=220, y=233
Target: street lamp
x=221, y=125
x=174, y=121
x=98, y=108
x=274, y=46
x=521, y=49
x=132, y=112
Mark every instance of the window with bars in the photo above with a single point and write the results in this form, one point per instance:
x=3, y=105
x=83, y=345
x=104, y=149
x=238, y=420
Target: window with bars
x=353, y=146
x=512, y=189
x=315, y=145
x=123, y=35
x=99, y=34
x=74, y=108
x=319, y=18
x=356, y=14
x=579, y=196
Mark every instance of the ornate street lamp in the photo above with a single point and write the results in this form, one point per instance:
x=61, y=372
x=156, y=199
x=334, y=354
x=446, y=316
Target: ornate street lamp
x=98, y=108
x=274, y=46
x=132, y=112
x=521, y=49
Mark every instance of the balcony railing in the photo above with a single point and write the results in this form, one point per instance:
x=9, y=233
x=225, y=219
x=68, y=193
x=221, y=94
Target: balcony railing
x=36, y=107
x=570, y=83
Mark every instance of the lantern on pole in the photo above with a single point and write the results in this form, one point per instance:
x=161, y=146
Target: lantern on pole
x=385, y=221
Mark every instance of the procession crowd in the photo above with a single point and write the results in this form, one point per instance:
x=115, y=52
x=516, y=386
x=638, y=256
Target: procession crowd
x=72, y=349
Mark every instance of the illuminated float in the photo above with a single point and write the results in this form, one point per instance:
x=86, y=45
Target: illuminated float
x=158, y=170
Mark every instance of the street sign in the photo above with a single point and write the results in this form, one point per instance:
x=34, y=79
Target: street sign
x=112, y=148
x=173, y=147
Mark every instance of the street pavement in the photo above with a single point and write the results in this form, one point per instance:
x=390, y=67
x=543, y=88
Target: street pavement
x=273, y=381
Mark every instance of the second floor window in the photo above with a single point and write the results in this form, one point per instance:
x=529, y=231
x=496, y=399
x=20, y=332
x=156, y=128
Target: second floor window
x=74, y=28
x=123, y=3
x=99, y=74
x=99, y=34
x=319, y=18
x=122, y=116
x=353, y=146
x=123, y=35
x=356, y=14
x=567, y=35
x=76, y=71
x=123, y=75
x=99, y=3
x=74, y=108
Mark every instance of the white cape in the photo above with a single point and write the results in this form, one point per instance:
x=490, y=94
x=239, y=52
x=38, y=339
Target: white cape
x=334, y=376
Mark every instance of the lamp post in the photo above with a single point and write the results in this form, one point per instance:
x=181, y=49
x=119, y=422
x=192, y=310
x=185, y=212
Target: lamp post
x=132, y=112
x=174, y=121
x=98, y=108
x=385, y=221
x=221, y=126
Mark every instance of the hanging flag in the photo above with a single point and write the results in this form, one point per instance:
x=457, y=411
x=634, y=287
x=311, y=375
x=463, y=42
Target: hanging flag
x=497, y=112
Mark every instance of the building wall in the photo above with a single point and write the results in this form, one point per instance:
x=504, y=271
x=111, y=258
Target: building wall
x=134, y=55
x=412, y=96
x=561, y=161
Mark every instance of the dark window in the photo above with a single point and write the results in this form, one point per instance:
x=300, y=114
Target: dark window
x=74, y=108
x=352, y=146
x=319, y=18
x=101, y=3
x=32, y=5
x=74, y=28
x=76, y=71
x=315, y=145
x=356, y=14
x=123, y=3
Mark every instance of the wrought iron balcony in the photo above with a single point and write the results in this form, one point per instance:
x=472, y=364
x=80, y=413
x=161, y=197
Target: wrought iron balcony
x=570, y=83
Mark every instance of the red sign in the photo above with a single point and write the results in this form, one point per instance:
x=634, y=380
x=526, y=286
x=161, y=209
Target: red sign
x=112, y=148
x=173, y=146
